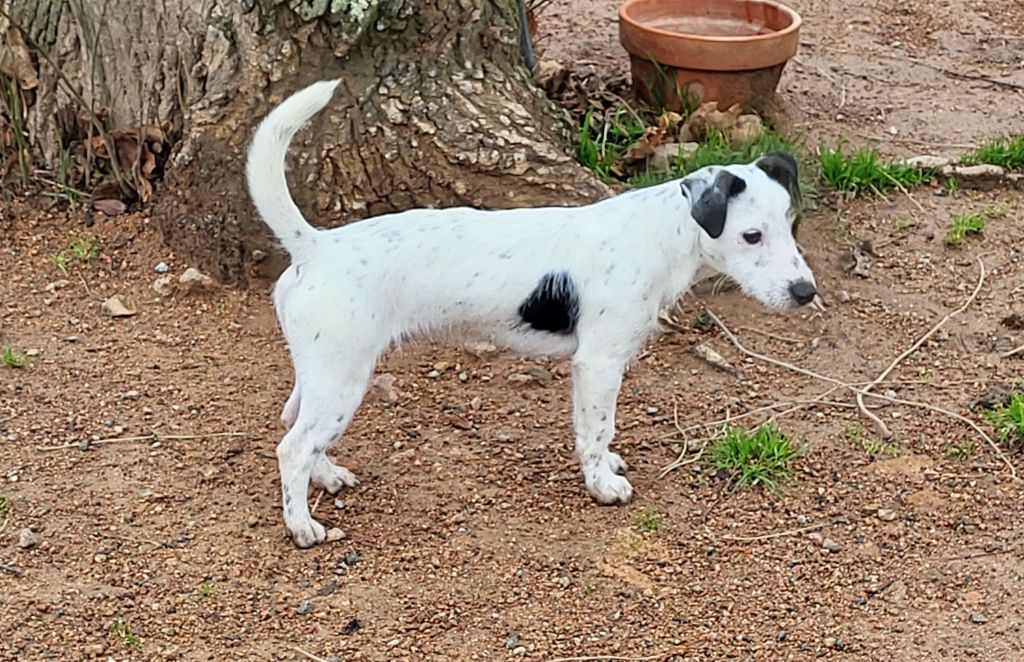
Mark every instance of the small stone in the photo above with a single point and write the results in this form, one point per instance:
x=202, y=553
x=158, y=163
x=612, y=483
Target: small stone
x=476, y=403
x=666, y=154
x=383, y=387
x=481, y=349
x=27, y=539
x=519, y=650
x=115, y=306
x=651, y=411
x=93, y=650
x=886, y=515
x=335, y=534
x=193, y=280
x=164, y=285
x=32, y=352
x=978, y=618
x=512, y=640
x=781, y=635
x=816, y=538
x=339, y=504
x=252, y=521
x=831, y=545
x=441, y=366
x=305, y=607
x=927, y=162
x=161, y=268
x=833, y=642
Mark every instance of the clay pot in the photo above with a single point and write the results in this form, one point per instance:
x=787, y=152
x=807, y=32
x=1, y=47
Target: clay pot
x=729, y=51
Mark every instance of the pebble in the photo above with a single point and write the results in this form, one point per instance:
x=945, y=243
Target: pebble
x=831, y=545
x=886, y=515
x=27, y=539
x=519, y=650
x=339, y=503
x=335, y=534
x=305, y=607
x=161, y=268
x=978, y=618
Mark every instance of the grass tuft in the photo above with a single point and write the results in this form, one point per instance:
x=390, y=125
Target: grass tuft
x=1008, y=420
x=5, y=506
x=962, y=450
x=1007, y=152
x=14, y=359
x=754, y=457
x=862, y=171
x=121, y=631
x=963, y=226
x=78, y=250
x=649, y=520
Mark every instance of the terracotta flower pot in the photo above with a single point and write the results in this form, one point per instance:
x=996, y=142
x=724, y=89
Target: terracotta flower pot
x=729, y=51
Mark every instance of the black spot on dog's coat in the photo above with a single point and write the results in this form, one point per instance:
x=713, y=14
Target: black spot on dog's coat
x=553, y=305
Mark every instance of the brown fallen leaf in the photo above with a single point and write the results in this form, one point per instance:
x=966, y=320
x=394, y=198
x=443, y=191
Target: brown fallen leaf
x=16, y=60
x=695, y=128
x=644, y=145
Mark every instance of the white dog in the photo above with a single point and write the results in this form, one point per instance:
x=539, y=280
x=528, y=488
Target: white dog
x=586, y=282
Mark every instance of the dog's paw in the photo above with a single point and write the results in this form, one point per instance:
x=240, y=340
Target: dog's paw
x=306, y=534
x=332, y=478
x=609, y=488
x=617, y=464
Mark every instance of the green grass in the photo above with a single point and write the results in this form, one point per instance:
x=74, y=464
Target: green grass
x=758, y=457
x=649, y=520
x=78, y=250
x=122, y=632
x=874, y=448
x=603, y=143
x=962, y=450
x=14, y=359
x=863, y=171
x=963, y=226
x=5, y=506
x=1008, y=420
x=1007, y=152
x=204, y=590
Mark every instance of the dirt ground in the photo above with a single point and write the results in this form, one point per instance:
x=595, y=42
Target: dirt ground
x=471, y=537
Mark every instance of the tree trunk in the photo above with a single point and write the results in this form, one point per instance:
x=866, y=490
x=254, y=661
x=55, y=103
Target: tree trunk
x=435, y=107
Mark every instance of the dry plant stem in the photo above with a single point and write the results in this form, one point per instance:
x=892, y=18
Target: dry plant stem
x=616, y=658
x=1012, y=352
x=910, y=403
x=13, y=569
x=904, y=190
x=777, y=534
x=913, y=348
x=144, y=437
x=308, y=656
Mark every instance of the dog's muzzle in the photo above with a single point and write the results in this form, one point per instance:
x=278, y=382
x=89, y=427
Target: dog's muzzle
x=802, y=291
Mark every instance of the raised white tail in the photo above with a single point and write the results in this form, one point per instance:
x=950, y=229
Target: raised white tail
x=264, y=169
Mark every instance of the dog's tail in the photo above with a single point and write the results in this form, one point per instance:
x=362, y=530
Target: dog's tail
x=264, y=169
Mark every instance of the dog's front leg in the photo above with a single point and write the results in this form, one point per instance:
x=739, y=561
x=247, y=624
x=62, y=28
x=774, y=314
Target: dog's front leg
x=596, y=380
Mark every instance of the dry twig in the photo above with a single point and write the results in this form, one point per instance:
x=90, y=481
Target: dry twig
x=1012, y=352
x=882, y=428
x=144, y=437
x=777, y=534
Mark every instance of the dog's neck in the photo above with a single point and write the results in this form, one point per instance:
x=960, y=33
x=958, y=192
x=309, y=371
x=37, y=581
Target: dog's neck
x=678, y=237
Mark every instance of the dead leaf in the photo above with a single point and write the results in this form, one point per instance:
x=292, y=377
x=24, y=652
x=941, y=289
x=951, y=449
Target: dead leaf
x=109, y=207
x=695, y=128
x=644, y=145
x=16, y=60
x=669, y=121
x=115, y=306
x=747, y=129
x=716, y=360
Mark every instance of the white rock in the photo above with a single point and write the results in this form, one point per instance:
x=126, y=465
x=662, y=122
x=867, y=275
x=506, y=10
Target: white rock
x=927, y=162
x=115, y=306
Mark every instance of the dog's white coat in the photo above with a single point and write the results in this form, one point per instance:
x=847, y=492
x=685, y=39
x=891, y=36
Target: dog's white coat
x=353, y=292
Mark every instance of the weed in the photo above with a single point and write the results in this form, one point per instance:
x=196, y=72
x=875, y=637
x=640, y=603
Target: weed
x=649, y=520
x=222, y=309
x=1008, y=420
x=204, y=590
x=872, y=447
x=905, y=224
x=964, y=225
x=862, y=171
x=754, y=457
x=5, y=506
x=962, y=450
x=120, y=630
x=952, y=186
x=604, y=142
x=1007, y=152
x=78, y=250
x=14, y=359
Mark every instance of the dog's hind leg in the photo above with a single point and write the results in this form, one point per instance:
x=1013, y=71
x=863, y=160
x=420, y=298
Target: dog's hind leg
x=329, y=401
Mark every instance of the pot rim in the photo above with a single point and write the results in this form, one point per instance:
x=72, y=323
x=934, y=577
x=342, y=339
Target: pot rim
x=794, y=25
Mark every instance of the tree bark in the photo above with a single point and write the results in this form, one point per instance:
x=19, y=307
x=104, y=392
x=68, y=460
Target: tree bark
x=435, y=108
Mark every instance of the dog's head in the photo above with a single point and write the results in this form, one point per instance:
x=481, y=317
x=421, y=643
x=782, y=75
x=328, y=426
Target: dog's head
x=747, y=217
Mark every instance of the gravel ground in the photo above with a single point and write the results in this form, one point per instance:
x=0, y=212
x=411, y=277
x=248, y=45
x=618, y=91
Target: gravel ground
x=471, y=537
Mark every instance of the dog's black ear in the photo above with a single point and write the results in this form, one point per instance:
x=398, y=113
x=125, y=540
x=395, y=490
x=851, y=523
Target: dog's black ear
x=782, y=167
x=712, y=202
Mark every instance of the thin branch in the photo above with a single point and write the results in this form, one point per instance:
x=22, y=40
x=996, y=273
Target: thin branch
x=1012, y=352
x=902, y=188
x=618, y=658
x=144, y=437
x=882, y=428
x=308, y=656
x=825, y=378
x=777, y=534
x=13, y=569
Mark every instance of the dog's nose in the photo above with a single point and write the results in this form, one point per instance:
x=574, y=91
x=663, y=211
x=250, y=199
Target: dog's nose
x=803, y=291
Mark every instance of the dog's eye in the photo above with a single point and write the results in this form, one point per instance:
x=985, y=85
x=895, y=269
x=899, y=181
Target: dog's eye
x=752, y=237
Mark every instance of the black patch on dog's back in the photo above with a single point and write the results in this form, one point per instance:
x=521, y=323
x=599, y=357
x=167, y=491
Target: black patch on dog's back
x=553, y=305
